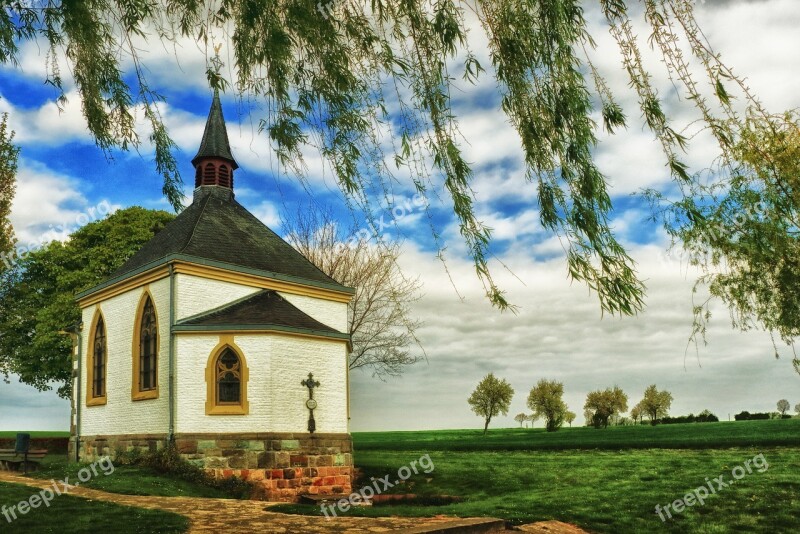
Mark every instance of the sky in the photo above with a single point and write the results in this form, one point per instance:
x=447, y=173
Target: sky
x=64, y=181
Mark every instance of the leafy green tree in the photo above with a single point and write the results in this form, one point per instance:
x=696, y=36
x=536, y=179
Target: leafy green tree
x=797, y=408
x=349, y=62
x=532, y=418
x=521, y=418
x=569, y=417
x=783, y=406
x=8, y=172
x=637, y=413
x=491, y=398
x=37, y=296
x=601, y=405
x=545, y=399
x=655, y=404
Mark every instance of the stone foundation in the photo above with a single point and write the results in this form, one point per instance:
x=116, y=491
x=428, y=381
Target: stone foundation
x=281, y=466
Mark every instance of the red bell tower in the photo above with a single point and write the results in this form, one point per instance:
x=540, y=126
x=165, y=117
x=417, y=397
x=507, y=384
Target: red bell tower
x=214, y=163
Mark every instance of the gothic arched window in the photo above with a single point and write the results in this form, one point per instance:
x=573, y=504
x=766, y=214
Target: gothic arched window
x=145, y=351
x=226, y=379
x=97, y=363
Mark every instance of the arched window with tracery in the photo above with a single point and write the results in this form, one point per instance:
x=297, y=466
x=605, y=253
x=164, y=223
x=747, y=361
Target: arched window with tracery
x=145, y=353
x=229, y=378
x=97, y=363
x=226, y=378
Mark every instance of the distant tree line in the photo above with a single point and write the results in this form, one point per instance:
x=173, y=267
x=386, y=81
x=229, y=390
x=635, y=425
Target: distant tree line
x=703, y=417
x=603, y=408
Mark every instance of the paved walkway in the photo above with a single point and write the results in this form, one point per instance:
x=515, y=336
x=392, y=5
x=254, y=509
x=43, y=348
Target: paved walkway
x=228, y=515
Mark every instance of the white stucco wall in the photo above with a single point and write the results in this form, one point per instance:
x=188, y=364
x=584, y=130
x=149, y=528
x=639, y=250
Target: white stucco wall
x=277, y=365
x=196, y=295
x=121, y=415
x=330, y=313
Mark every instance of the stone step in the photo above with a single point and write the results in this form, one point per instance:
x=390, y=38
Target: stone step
x=481, y=525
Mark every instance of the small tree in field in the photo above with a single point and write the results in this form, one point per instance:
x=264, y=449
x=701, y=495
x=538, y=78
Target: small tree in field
x=492, y=397
x=656, y=403
x=545, y=399
x=783, y=406
x=532, y=418
x=601, y=405
x=797, y=408
x=521, y=418
x=569, y=417
x=637, y=413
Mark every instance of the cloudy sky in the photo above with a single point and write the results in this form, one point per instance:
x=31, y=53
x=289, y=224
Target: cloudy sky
x=558, y=332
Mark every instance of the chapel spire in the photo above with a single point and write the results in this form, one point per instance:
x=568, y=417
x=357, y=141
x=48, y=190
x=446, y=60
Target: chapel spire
x=214, y=163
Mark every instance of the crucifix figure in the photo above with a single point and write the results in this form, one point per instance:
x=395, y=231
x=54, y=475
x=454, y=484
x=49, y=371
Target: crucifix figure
x=311, y=403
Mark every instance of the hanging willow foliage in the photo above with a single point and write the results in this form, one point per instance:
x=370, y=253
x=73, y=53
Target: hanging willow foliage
x=328, y=69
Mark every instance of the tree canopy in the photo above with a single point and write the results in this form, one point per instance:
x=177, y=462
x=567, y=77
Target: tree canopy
x=492, y=397
x=601, y=405
x=655, y=403
x=546, y=401
x=8, y=171
x=37, y=295
x=368, y=84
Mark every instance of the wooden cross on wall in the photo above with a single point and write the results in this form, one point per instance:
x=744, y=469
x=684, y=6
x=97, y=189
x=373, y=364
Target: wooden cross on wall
x=311, y=404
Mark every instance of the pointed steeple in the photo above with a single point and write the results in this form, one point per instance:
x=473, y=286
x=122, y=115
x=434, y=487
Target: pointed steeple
x=214, y=163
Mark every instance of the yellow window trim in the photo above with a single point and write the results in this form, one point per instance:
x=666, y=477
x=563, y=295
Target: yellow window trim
x=136, y=394
x=91, y=400
x=212, y=407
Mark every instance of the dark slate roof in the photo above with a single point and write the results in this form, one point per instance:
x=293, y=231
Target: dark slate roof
x=215, y=137
x=216, y=228
x=265, y=309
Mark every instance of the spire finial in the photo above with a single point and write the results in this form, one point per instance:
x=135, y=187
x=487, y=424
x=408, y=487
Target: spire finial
x=216, y=61
x=214, y=163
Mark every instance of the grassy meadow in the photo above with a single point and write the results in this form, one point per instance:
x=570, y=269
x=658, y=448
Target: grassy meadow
x=607, y=480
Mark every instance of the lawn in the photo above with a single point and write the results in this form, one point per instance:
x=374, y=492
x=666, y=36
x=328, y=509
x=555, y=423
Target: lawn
x=601, y=490
x=128, y=480
x=67, y=515
x=686, y=436
x=34, y=434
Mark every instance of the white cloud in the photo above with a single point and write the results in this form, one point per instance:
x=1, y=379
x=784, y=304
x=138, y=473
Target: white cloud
x=559, y=334
x=47, y=125
x=49, y=205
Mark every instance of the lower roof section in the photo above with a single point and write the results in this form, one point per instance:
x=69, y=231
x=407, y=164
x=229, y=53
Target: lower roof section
x=263, y=311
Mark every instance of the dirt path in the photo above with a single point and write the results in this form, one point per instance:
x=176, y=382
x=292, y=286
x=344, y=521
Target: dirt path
x=228, y=515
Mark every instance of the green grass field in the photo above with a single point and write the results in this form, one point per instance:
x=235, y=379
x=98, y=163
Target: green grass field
x=687, y=436
x=34, y=434
x=602, y=480
x=128, y=480
x=606, y=480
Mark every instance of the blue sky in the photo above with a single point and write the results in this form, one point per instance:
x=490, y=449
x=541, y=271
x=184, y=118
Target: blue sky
x=558, y=333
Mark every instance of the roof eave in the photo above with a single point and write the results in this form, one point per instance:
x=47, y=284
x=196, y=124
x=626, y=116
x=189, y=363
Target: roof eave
x=171, y=258
x=178, y=328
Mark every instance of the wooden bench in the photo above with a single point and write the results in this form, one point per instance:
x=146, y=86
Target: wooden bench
x=10, y=460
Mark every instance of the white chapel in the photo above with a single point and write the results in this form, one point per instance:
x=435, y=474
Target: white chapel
x=219, y=337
